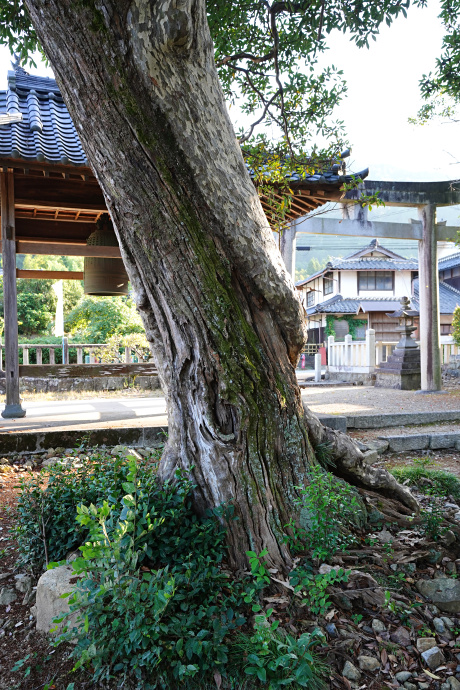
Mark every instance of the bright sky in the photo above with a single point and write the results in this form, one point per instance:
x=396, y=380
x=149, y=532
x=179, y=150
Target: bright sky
x=382, y=93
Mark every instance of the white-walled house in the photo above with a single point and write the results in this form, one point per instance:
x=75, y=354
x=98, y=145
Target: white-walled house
x=363, y=288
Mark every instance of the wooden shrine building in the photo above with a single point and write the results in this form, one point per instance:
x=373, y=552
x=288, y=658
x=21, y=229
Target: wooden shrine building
x=51, y=201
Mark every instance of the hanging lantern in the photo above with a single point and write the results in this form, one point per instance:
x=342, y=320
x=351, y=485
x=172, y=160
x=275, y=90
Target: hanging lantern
x=104, y=277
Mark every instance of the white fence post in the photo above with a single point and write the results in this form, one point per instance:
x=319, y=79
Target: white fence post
x=348, y=353
x=370, y=349
x=330, y=351
x=318, y=367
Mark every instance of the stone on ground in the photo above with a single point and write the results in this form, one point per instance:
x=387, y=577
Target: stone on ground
x=351, y=672
x=444, y=592
x=7, y=596
x=49, y=604
x=425, y=643
x=368, y=663
x=433, y=658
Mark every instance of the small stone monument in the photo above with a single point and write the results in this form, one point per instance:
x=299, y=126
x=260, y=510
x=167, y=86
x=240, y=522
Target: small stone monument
x=402, y=368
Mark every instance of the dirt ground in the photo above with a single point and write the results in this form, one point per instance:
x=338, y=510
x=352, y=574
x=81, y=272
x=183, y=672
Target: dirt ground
x=364, y=400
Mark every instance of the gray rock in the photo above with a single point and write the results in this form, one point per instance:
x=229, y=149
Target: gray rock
x=370, y=456
x=378, y=626
x=448, y=538
x=23, y=583
x=385, y=537
x=332, y=630
x=445, y=686
x=7, y=596
x=50, y=604
x=401, y=636
x=448, y=622
x=402, y=676
x=433, y=658
x=425, y=643
x=439, y=625
x=368, y=663
x=424, y=686
x=379, y=445
x=443, y=592
x=4, y=461
x=49, y=462
x=454, y=684
x=410, y=686
x=351, y=672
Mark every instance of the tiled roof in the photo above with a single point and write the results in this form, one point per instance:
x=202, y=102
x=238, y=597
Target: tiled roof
x=46, y=132
x=372, y=264
x=363, y=265
x=449, y=261
x=449, y=297
x=350, y=305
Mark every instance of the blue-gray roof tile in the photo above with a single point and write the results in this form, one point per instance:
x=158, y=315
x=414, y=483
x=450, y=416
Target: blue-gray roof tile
x=46, y=132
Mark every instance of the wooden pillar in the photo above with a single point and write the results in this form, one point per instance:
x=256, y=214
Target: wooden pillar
x=430, y=355
x=288, y=247
x=13, y=406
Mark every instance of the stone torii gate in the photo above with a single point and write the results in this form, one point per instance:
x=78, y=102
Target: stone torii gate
x=425, y=197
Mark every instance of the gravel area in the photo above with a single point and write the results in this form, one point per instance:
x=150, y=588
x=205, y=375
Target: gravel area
x=364, y=400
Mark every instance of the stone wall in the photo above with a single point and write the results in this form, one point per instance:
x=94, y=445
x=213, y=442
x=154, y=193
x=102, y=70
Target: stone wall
x=109, y=383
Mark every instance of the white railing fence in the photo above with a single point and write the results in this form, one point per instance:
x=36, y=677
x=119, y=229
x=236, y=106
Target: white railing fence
x=86, y=353
x=362, y=356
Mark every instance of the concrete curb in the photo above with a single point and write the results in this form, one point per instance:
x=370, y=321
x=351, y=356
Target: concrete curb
x=382, y=421
x=146, y=437
x=32, y=441
x=435, y=441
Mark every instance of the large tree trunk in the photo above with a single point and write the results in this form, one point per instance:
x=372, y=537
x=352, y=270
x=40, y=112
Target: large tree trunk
x=218, y=306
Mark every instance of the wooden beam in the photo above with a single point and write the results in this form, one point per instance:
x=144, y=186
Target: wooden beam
x=13, y=406
x=49, y=275
x=61, y=205
x=63, y=249
x=82, y=371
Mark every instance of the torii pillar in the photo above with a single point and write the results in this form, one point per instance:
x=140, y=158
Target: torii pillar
x=288, y=247
x=430, y=341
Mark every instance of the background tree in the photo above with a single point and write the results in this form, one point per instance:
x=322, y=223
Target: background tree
x=219, y=309
x=96, y=319
x=73, y=289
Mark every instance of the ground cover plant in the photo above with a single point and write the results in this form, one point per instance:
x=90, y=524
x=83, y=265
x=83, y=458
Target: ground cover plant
x=428, y=478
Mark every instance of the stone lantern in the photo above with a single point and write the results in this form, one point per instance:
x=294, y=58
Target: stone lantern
x=402, y=368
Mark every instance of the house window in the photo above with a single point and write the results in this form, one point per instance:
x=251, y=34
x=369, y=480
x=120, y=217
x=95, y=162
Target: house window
x=456, y=272
x=446, y=329
x=328, y=283
x=310, y=298
x=375, y=280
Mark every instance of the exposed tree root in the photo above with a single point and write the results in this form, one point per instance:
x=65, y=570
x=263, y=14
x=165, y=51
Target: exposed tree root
x=349, y=463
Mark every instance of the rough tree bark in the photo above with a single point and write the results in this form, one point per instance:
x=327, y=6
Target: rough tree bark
x=218, y=306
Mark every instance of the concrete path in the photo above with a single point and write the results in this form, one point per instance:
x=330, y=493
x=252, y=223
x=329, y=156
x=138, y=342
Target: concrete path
x=88, y=414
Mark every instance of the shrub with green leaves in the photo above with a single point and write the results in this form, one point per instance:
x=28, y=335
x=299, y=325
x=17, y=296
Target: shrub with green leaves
x=428, y=478
x=312, y=588
x=46, y=528
x=281, y=661
x=327, y=508
x=153, y=601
